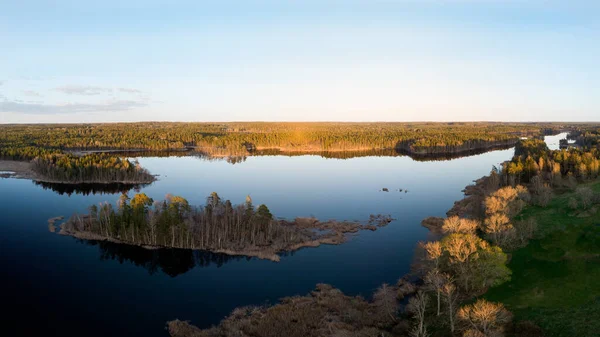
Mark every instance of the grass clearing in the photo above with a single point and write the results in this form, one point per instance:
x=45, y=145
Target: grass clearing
x=556, y=278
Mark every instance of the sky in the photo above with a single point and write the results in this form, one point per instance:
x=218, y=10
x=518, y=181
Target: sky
x=313, y=60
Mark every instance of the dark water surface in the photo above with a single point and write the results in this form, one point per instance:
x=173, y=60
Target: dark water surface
x=55, y=285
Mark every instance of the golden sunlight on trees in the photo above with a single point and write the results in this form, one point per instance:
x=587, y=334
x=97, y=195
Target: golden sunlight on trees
x=483, y=318
x=454, y=224
x=500, y=207
x=475, y=263
x=433, y=252
x=499, y=229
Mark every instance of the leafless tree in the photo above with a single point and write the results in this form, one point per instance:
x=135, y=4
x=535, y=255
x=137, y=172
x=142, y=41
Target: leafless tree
x=435, y=280
x=450, y=294
x=433, y=252
x=485, y=317
x=417, y=306
x=585, y=195
x=454, y=224
x=385, y=300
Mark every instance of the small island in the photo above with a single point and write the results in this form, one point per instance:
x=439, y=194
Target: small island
x=59, y=168
x=218, y=226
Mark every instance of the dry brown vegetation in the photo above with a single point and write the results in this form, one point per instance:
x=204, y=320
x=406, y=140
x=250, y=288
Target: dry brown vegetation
x=434, y=224
x=326, y=311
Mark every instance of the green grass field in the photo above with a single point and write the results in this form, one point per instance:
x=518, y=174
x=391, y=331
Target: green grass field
x=556, y=278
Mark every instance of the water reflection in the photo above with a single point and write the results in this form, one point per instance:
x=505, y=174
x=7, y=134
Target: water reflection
x=380, y=153
x=172, y=262
x=216, y=154
x=87, y=189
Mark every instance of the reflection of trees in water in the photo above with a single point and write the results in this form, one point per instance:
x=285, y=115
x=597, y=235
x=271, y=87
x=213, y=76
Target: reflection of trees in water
x=382, y=153
x=87, y=189
x=220, y=154
x=172, y=262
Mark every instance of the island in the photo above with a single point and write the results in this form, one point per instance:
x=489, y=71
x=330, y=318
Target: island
x=218, y=227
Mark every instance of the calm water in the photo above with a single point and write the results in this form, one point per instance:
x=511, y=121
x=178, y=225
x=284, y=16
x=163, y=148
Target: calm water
x=55, y=285
x=553, y=142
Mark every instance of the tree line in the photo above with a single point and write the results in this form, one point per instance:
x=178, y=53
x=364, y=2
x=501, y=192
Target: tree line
x=30, y=141
x=557, y=168
x=51, y=145
x=174, y=223
x=93, y=168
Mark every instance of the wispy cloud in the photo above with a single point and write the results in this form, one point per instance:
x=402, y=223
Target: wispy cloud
x=86, y=90
x=49, y=109
x=130, y=90
x=1, y=82
x=31, y=93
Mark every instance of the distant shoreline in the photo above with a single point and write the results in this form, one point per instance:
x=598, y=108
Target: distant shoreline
x=405, y=150
x=17, y=169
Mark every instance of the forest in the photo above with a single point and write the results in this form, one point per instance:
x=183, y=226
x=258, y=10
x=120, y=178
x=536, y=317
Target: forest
x=486, y=275
x=93, y=168
x=92, y=153
x=218, y=226
x=30, y=141
x=533, y=162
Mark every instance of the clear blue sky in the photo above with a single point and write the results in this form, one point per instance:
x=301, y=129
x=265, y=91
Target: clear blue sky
x=345, y=60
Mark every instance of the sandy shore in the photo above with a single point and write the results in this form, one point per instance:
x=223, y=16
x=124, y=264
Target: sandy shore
x=16, y=169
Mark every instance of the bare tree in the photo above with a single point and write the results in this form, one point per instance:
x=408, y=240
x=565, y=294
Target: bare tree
x=585, y=195
x=495, y=224
x=451, y=299
x=462, y=250
x=433, y=251
x=417, y=306
x=435, y=280
x=524, y=231
x=455, y=224
x=385, y=300
x=474, y=261
x=485, y=317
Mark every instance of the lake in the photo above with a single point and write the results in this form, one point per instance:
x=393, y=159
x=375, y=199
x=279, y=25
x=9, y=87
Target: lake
x=58, y=285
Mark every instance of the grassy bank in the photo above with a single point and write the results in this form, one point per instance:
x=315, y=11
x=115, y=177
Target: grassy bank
x=556, y=278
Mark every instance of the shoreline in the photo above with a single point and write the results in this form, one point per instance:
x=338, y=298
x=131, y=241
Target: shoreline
x=404, y=148
x=18, y=169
